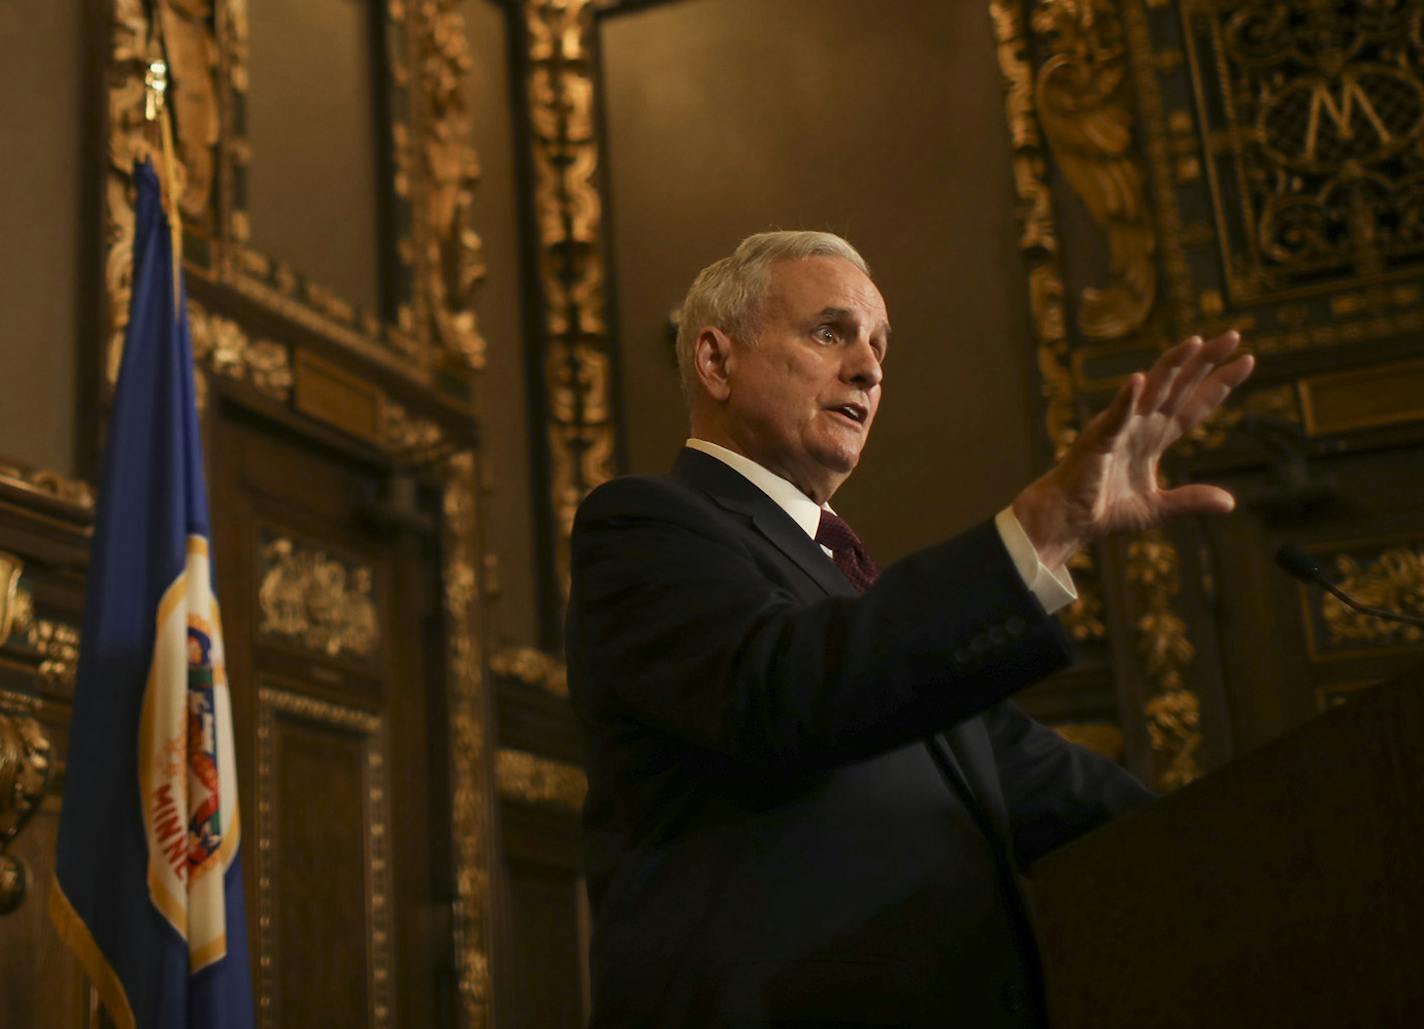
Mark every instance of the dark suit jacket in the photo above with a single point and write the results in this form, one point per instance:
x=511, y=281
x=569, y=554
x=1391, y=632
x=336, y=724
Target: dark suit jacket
x=805, y=806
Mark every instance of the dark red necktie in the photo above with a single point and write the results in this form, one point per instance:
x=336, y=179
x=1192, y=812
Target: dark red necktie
x=847, y=551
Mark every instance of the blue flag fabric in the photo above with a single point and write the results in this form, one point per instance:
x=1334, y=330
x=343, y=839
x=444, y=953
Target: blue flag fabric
x=148, y=886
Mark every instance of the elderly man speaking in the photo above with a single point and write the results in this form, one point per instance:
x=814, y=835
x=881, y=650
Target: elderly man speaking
x=810, y=796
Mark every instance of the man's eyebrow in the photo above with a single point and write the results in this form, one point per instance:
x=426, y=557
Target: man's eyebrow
x=843, y=313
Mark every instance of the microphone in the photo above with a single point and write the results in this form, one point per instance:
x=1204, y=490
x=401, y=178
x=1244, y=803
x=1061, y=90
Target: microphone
x=1305, y=568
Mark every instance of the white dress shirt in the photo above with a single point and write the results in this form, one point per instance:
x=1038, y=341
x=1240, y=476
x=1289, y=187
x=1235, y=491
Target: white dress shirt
x=1054, y=590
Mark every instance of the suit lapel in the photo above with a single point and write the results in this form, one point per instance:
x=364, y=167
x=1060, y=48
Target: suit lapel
x=966, y=745
x=734, y=492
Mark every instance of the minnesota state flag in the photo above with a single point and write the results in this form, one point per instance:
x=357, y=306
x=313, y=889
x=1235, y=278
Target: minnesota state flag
x=148, y=887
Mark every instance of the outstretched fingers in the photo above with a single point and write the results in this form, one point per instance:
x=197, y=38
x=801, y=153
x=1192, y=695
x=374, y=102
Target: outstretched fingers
x=1212, y=392
x=1102, y=430
x=1165, y=373
x=1206, y=361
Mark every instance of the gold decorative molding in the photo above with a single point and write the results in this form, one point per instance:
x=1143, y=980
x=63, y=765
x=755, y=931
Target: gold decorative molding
x=1082, y=102
x=577, y=347
x=1173, y=710
x=1391, y=579
x=51, y=647
x=532, y=668
x=310, y=599
x=223, y=347
x=454, y=264
x=1363, y=398
x=469, y=755
x=410, y=436
x=11, y=567
x=1038, y=238
x=75, y=492
x=272, y=702
x=24, y=774
x=531, y=779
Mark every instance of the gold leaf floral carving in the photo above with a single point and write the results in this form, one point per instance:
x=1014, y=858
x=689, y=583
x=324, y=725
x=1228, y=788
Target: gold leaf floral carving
x=316, y=601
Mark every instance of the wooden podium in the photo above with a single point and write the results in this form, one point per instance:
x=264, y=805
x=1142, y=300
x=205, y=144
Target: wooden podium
x=1285, y=889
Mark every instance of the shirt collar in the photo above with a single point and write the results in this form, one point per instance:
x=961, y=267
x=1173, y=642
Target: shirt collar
x=804, y=511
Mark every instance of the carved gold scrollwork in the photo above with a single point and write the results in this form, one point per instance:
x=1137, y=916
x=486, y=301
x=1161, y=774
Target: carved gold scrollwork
x=471, y=795
x=1081, y=98
x=316, y=601
x=1392, y=580
x=1173, y=711
x=569, y=214
x=454, y=258
x=10, y=569
x=531, y=779
x=1039, y=236
x=1323, y=117
x=59, y=487
x=532, y=668
x=24, y=774
x=223, y=346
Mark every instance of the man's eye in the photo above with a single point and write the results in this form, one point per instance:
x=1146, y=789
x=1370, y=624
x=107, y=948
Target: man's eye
x=826, y=334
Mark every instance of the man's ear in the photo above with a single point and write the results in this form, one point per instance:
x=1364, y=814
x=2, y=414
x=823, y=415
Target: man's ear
x=711, y=357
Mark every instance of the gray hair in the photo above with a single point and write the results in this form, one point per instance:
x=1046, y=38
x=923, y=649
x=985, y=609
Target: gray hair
x=728, y=294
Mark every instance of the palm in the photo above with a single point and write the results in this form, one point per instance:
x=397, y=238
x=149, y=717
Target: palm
x=1108, y=481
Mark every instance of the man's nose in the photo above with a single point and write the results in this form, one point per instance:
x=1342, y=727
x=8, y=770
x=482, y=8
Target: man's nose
x=862, y=366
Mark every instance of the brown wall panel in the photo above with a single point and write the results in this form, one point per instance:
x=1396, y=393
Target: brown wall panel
x=882, y=122
x=47, y=239
x=321, y=874
x=509, y=533
x=44, y=986
x=312, y=122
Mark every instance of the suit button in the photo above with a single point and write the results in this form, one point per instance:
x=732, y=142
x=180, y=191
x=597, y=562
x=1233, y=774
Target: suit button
x=979, y=644
x=997, y=636
x=1015, y=625
x=1015, y=999
x=962, y=657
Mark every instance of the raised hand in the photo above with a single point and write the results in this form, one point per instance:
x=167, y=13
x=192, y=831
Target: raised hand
x=1107, y=482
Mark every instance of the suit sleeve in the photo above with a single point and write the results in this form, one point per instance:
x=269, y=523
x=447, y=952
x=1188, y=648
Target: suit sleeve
x=1055, y=791
x=673, y=627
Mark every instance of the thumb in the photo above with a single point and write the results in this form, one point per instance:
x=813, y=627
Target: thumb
x=1196, y=498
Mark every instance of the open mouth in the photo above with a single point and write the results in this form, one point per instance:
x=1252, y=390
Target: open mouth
x=854, y=412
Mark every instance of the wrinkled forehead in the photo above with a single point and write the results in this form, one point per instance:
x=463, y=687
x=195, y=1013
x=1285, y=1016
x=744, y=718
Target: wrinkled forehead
x=809, y=286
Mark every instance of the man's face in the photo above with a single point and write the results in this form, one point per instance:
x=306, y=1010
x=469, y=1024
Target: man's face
x=803, y=395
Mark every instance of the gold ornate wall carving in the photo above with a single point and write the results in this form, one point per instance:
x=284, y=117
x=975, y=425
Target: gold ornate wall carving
x=1384, y=575
x=434, y=337
x=47, y=484
x=224, y=348
x=577, y=347
x=532, y=779
x=315, y=600
x=472, y=798
x=1081, y=99
x=24, y=774
x=532, y=668
x=49, y=646
x=1166, y=653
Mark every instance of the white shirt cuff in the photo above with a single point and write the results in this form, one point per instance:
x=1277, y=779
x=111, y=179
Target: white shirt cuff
x=1053, y=588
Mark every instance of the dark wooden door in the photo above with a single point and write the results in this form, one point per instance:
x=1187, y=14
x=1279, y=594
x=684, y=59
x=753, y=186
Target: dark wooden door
x=333, y=631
